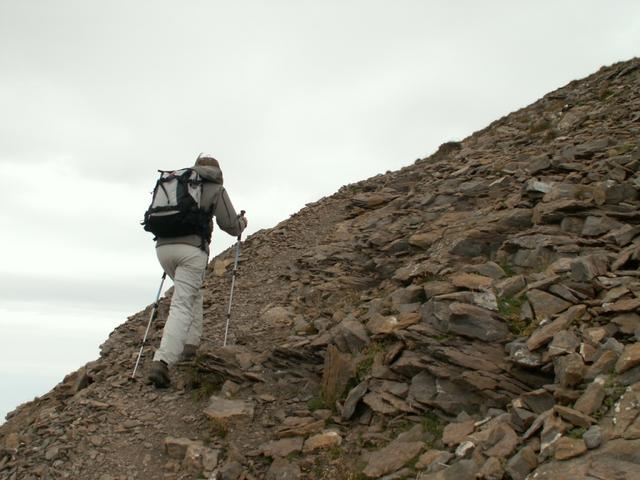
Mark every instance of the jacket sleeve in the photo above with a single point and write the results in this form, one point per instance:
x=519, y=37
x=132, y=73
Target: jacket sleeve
x=226, y=216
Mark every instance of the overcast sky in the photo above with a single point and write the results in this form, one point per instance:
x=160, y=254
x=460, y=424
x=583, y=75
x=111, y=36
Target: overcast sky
x=295, y=98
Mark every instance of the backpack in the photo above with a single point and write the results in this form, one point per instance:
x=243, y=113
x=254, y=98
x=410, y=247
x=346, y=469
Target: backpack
x=175, y=208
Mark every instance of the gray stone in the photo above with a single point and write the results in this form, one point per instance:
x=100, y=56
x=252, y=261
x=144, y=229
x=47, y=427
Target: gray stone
x=571, y=191
x=322, y=441
x=230, y=471
x=453, y=397
x=380, y=324
x=399, y=389
x=350, y=336
x=409, y=364
x=592, y=398
x=485, y=299
x=392, y=457
x=572, y=225
x=353, y=398
x=423, y=388
x=537, y=187
x=546, y=305
x=595, y=226
x=401, y=474
x=574, y=417
x=476, y=322
x=520, y=354
x=545, y=333
x=563, y=342
x=539, y=163
x=564, y=292
x=522, y=418
x=414, y=434
x=177, y=447
x=471, y=281
x=522, y=463
x=630, y=377
x=623, y=305
x=298, y=427
x=198, y=459
x=282, y=469
x=283, y=447
x=502, y=441
x=628, y=322
x=566, y=448
x=52, y=452
x=477, y=243
x=510, y=286
x=455, y=433
x=433, y=460
x=434, y=288
x=553, y=428
x=629, y=358
x=277, y=316
x=425, y=239
x=373, y=199
x=489, y=269
x=409, y=308
x=584, y=269
x=491, y=470
x=410, y=294
x=615, y=294
x=624, y=234
x=569, y=370
x=619, y=193
x=386, y=403
x=538, y=401
x=593, y=437
x=613, y=345
x=465, y=449
x=222, y=409
x=604, y=364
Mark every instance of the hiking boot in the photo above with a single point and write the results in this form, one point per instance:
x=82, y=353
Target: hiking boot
x=159, y=374
x=189, y=353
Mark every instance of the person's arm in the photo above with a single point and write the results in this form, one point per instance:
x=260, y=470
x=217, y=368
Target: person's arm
x=226, y=216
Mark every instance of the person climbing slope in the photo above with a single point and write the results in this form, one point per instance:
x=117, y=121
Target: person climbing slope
x=181, y=217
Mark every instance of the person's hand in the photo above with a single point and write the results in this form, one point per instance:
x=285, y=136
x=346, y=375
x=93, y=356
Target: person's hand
x=243, y=220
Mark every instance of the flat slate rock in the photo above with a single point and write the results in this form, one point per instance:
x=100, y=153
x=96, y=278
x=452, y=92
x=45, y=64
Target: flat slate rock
x=391, y=458
x=282, y=448
x=546, y=305
x=545, y=333
x=221, y=408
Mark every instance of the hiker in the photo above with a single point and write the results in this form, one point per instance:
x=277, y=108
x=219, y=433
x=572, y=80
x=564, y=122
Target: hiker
x=184, y=258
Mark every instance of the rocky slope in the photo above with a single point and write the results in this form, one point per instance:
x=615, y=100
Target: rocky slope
x=473, y=315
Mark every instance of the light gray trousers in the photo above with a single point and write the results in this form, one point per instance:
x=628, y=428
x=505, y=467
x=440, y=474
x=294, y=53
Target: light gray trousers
x=186, y=265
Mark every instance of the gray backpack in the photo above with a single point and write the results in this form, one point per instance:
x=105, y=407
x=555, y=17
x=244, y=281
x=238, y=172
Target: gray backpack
x=175, y=208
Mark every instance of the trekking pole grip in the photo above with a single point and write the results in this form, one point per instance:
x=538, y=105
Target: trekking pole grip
x=241, y=215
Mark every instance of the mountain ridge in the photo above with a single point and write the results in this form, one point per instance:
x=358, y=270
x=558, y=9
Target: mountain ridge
x=472, y=315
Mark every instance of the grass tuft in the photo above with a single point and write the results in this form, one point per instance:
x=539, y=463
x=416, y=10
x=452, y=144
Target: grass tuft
x=576, y=432
x=316, y=403
x=510, y=308
x=367, y=357
x=434, y=425
x=218, y=428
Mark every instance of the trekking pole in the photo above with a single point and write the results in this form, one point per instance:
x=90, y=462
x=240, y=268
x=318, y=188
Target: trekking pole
x=233, y=282
x=154, y=311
